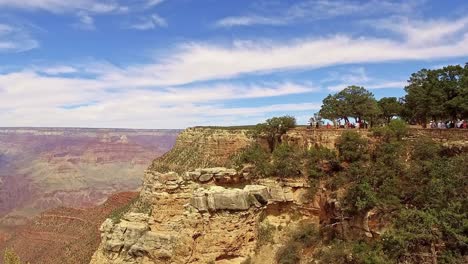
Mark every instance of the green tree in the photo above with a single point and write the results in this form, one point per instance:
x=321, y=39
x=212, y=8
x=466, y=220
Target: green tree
x=352, y=102
x=437, y=94
x=272, y=129
x=10, y=257
x=256, y=156
x=286, y=161
x=352, y=147
x=389, y=108
x=360, y=198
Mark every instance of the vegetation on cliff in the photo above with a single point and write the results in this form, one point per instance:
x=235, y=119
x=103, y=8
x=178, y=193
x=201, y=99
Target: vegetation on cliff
x=418, y=186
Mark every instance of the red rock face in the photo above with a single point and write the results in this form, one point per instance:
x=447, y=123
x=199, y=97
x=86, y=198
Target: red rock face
x=61, y=235
x=47, y=168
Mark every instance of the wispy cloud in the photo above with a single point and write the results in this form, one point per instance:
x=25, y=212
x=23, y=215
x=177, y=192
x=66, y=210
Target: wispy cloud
x=424, y=32
x=57, y=6
x=358, y=76
x=14, y=38
x=85, y=21
x=254, y=57
x=150, y=22
x=56, y=70
x=317, y=10
x=151, y=3
x=28, y=96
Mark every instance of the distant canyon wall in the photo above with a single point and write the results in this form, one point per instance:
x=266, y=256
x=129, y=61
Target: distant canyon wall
x=42, y=168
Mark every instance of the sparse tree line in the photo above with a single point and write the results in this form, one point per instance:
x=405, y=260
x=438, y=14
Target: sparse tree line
x=437, y=95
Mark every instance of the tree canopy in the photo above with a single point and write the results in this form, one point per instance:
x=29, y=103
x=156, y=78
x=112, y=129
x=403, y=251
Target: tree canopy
x=437, y=94
x=272, y=129
x=352, y=102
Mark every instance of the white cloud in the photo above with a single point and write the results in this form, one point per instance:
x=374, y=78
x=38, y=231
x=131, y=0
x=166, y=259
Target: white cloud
x=199, y=61
x=63, y=69
x=321, y=9
x=86, y=22
x=425, y=32
x=150, y=22
x=15, y=39
x=60, y=6
x=151, y=3
x=29, y=98
x=358, y=76
x=120, y=96
x=249, y=20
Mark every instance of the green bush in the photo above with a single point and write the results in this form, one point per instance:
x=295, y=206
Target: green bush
x=321, y=161
x=352, y=147
x=254, y=155
x=398, y=128
x=414, y=231
x=286, y=161
x=289, y=253
x=360, y=198
x=352, y=252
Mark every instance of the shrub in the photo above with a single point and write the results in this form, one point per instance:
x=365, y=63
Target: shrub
x=398, y=128
x=135, y=205
x=360, y=198
x=336, y=253
x=286, y=161
x=306, y=235
x=321, y=161
x=395, y=130
x=352, y=147
x=289, y=254
x=265, y=234
x=414, y=231
x=10, y=257
x=349, y=252
x=254, y=155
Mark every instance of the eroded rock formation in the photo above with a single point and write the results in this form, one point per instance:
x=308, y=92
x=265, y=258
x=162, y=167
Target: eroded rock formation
x=193, y=220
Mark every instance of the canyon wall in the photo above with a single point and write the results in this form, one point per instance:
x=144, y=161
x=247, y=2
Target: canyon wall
x=42, y=168
x=197, y=211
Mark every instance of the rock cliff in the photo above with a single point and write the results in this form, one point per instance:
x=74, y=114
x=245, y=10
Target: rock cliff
x=202, y=212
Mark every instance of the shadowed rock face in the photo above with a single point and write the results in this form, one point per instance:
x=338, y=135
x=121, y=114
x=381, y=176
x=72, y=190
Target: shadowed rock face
x=42, y=168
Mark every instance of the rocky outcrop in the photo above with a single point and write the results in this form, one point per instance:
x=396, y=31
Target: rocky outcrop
x=193, y=220
x=202, y=148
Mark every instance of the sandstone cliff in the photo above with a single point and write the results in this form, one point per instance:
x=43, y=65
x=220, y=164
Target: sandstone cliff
x=202, y=213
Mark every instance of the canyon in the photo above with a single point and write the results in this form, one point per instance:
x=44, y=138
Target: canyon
x=63, y=171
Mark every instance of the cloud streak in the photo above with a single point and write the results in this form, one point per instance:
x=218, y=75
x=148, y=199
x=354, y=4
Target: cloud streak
x=200, y=61
x=16, y=39
x=58, y=6
x=319, y=10
x=151, y=22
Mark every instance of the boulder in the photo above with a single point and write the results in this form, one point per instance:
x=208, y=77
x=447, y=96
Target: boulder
x=136, y=217
x=205, y=177
x=230, y=199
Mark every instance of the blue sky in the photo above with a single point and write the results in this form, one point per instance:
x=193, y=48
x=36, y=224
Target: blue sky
x=180, y=63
